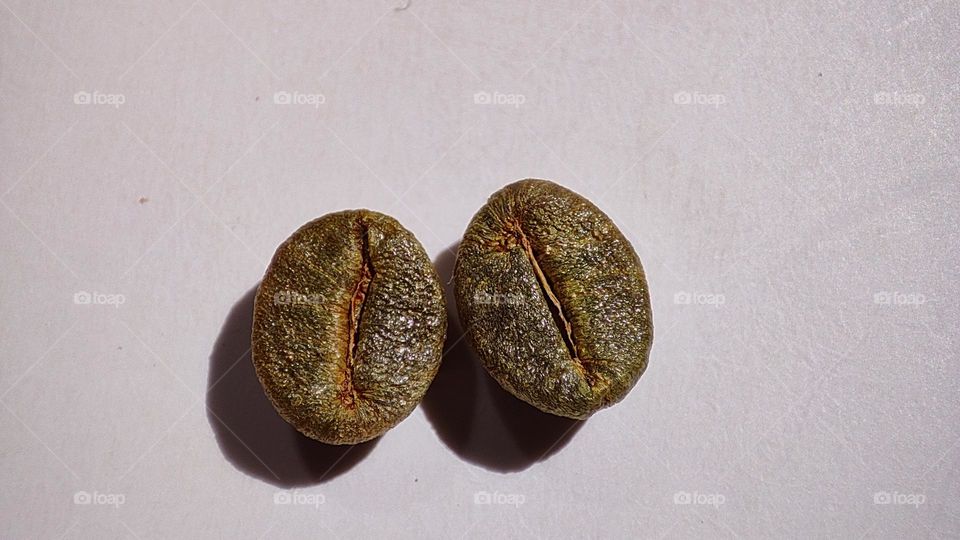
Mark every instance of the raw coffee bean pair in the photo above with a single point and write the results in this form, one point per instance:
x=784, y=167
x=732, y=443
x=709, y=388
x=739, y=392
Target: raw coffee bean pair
x=349, y=320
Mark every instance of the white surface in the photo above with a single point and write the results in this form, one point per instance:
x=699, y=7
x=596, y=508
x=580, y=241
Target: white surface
x=792, y=192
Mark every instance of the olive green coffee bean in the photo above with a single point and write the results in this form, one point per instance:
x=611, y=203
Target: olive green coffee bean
x=349, y=324
x=553, y=299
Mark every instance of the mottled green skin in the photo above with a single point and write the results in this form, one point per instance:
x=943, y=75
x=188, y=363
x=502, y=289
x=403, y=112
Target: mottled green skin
x=301, y=327
x=594, y=274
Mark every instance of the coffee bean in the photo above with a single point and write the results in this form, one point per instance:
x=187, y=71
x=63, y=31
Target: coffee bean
x=553, y=299
x=348, y=327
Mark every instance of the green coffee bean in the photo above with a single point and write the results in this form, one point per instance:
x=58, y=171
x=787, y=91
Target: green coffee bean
x=349, y=324
x=553, y=299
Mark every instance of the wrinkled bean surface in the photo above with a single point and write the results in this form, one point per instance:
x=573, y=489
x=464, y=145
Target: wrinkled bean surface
x=349, y=324
x=553, y=299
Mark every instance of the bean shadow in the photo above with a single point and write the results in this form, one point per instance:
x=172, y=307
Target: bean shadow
x=250, y=433
x=474, y=416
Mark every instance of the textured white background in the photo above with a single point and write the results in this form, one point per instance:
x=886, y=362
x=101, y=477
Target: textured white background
x=785, y=168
